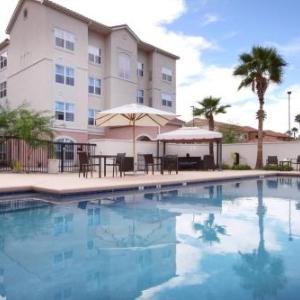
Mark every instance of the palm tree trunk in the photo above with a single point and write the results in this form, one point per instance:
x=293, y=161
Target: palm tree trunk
x=260, y=114
x=211, y=126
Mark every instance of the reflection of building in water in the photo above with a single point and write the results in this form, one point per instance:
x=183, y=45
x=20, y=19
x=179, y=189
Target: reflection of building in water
x=86, y=251
x=190, y=199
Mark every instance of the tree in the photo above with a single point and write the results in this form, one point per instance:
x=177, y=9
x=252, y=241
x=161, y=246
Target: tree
x=209, y=108
x=231, y=135
x=294, y=130
x=259, y=68
x=33, y=127
x=297, y=119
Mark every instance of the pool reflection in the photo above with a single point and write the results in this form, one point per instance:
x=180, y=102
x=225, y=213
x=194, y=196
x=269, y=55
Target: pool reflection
x=238, y=240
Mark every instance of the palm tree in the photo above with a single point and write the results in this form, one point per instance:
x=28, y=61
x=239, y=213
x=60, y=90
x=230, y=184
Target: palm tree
x=259, y=68
x=297, y=119
x=294, y=130
x=209, y=108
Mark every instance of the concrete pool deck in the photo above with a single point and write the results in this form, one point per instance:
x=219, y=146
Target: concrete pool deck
x=71, y=183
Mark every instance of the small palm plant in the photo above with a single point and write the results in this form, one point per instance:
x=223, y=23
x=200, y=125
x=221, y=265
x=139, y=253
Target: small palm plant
x=259, y=68
x=210, y=107
x=297, y=119
x=294, y=130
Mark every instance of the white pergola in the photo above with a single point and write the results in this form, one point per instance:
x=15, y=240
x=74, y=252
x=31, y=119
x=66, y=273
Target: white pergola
x=193, y=135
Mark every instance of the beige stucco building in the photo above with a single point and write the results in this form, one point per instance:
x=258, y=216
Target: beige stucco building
x=60, y=61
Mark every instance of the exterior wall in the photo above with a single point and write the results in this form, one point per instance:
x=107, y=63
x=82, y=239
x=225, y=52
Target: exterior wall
x=32, y=56
x=247, y=152
x=3, y=76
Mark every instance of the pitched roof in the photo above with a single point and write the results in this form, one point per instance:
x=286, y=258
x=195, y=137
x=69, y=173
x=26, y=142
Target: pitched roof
x=92, y=24
x=4, y=43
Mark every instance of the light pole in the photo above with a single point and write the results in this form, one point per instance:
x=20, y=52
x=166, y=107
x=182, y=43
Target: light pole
x=193, y=112
x=289, y=109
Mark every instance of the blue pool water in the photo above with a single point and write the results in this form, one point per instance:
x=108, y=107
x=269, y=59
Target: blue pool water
x=232, y=240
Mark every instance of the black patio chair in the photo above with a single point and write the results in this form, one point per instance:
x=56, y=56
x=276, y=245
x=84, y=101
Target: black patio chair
x=272, y=160
x=297, y=162
x=116, y=162
x=126, y=165
x=208, y=162
x=170, y=163
x=85, y=164
x=150, y=162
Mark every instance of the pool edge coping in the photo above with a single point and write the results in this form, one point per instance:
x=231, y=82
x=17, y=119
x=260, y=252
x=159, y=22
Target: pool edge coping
x=135, y=186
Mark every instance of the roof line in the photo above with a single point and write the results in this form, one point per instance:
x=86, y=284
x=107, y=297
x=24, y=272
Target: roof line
x=91, y=23
x=4, y=43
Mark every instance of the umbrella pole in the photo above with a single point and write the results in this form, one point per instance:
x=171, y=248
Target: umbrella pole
x=133, y=144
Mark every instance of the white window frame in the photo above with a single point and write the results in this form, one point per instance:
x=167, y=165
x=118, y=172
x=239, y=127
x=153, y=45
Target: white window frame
x=3, y=89
x=140, y=69
x=94, y=87
x=3, y=60
x=67, y=111
x=94, y=55
x=166, y=100
x=66, y=74
x=92, y=116
x=167, y=74
x=140, y=96
x=124, y=67
x=67, y=39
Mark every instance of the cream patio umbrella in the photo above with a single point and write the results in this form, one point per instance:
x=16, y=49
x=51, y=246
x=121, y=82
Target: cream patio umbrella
x=133, y=115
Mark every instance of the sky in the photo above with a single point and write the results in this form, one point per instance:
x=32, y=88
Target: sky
x=209, y=35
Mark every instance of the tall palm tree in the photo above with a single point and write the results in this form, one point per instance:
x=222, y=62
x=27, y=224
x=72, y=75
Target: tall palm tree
x=297, y=119
x=294, y=130
x=210, y=107
x=258, y=69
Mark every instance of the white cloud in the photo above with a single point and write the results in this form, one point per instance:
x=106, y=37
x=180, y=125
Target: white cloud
x=195, y=79
x=209, y=19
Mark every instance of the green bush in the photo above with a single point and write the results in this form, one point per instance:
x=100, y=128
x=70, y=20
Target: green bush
x=225, y=167
x=278, y=168
x=241, y=167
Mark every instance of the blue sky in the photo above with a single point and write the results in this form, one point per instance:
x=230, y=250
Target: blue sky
x=208, y=35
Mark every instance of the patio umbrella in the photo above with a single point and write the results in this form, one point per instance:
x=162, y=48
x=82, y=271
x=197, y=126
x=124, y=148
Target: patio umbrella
x=133, y=115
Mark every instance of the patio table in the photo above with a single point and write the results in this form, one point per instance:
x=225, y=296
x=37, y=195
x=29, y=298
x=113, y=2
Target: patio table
x=285, y=162
x=99, y=158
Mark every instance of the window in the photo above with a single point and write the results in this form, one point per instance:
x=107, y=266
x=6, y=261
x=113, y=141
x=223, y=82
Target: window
x=140, y=96
x=94, y=86
x=94, y=55
x=140, y=69
x=3, y=91
x=93, y=216
x=63, y=224
x=64, y=39
x=124, y=66
x=166, y=74
x=166, y=100
x=64, y=75
x=92, y=117
x=3, y=60
x=64, y=111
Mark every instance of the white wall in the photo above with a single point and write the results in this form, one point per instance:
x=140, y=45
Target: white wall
x=247, y=151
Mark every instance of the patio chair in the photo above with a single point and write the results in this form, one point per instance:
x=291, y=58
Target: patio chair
x=150, y=162
x=297, y=162
x=272, y=160
x=126, y=165
x=170, y=163
x=85, y=164
x=208, y=162
x=116, y=163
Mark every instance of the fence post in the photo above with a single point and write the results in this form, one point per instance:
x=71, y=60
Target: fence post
x=62, y=148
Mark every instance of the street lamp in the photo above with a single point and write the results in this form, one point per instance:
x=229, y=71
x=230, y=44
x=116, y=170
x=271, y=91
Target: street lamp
x=289, y=109
x=193, y=112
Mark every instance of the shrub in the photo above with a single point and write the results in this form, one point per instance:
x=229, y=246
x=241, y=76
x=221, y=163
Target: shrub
x=241, y=167
x=225, y=167
x=278, y=168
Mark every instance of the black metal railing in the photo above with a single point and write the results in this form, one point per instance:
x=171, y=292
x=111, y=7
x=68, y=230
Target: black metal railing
x=16, y=155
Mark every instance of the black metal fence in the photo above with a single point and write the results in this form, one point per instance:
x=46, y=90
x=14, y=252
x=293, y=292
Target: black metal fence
x=16, y=155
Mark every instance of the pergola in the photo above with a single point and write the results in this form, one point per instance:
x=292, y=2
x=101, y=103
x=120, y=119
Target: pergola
x=193, y=135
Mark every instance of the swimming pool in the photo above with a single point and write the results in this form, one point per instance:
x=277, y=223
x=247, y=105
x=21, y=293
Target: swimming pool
x=231, y=240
